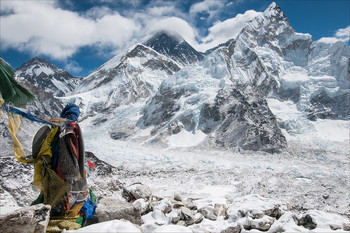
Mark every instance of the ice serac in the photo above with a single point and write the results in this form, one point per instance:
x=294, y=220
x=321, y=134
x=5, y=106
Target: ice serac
x=124, y=80
x=174, y=46
x=43, y=74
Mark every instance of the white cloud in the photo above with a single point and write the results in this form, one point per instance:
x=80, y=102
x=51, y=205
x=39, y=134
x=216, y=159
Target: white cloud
x=41, y=28
x=342, y=34
x=209, y=6
x=173, y=24
x=221, y=32
x=73, y=67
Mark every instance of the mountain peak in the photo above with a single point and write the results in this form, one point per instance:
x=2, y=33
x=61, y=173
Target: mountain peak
x=164, y=35
x=273, y=10
x=41, y=64
x=41, y=73
x=172, y=45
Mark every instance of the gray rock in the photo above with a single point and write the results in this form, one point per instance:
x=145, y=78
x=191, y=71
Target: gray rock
x=235, y=229
x=208, y=212
x=175, y=216
x=144, y=205
x=198, y=218
x=178, y=205
x=274, y=212
x=187, y=216
x=262, y=224
x=29, y=219
x=181, y=223
x=346, y=226
x=177, y=197
x=334, y=227
x=136, y=191
x=189, y=204
x=164, y=205
x=110, y=209
x=306, y=221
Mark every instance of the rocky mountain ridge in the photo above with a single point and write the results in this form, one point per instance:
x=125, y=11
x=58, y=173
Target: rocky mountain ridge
x=47, y=76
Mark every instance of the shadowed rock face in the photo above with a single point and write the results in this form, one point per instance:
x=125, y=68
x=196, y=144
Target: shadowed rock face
x=326, y=107
x=238, y=122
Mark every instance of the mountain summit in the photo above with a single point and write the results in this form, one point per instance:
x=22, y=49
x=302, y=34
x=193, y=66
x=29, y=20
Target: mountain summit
x=174, y=46
x=41, y=73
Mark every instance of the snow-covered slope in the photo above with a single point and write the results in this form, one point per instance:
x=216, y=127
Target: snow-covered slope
x=134, y=76
x=43, y=74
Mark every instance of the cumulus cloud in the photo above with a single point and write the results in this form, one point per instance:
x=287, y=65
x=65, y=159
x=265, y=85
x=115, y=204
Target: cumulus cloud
x=342, y=34
x=221, y=32
x=41, y=28
x=208, y=6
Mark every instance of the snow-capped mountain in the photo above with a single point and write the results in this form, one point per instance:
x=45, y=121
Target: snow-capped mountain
x=229, y=90
x=174, y=46
x=45, y=75
x=210, y=97
x=135, y=75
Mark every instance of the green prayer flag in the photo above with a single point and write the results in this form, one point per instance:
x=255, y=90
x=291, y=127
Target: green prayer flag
x=11, y=91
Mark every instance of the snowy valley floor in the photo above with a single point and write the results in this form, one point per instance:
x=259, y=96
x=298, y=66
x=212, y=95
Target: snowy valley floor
x=306, y=178
x=311, y=177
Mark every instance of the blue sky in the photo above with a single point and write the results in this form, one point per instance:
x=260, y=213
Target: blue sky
x=81, y=35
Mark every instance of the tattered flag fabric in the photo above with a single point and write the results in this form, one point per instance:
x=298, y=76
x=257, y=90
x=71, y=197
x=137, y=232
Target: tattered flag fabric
x=12, y=92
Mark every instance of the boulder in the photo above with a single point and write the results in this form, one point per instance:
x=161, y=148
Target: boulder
x=136, y=191
x=190, y=204
x=208, y=212
x=346, y=226
x=187, y=216
x=175, y=216
x=28, y=219
x=165, y=206
x=235, y=229
x=177, y=197
x=334, y=227
x=198, y=218
x=262, y=224
x=110, y=209
x=144, y=205
x=306, y=221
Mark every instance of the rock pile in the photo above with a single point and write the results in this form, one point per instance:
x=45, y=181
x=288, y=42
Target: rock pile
x=139, y=209
x=251, y=212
